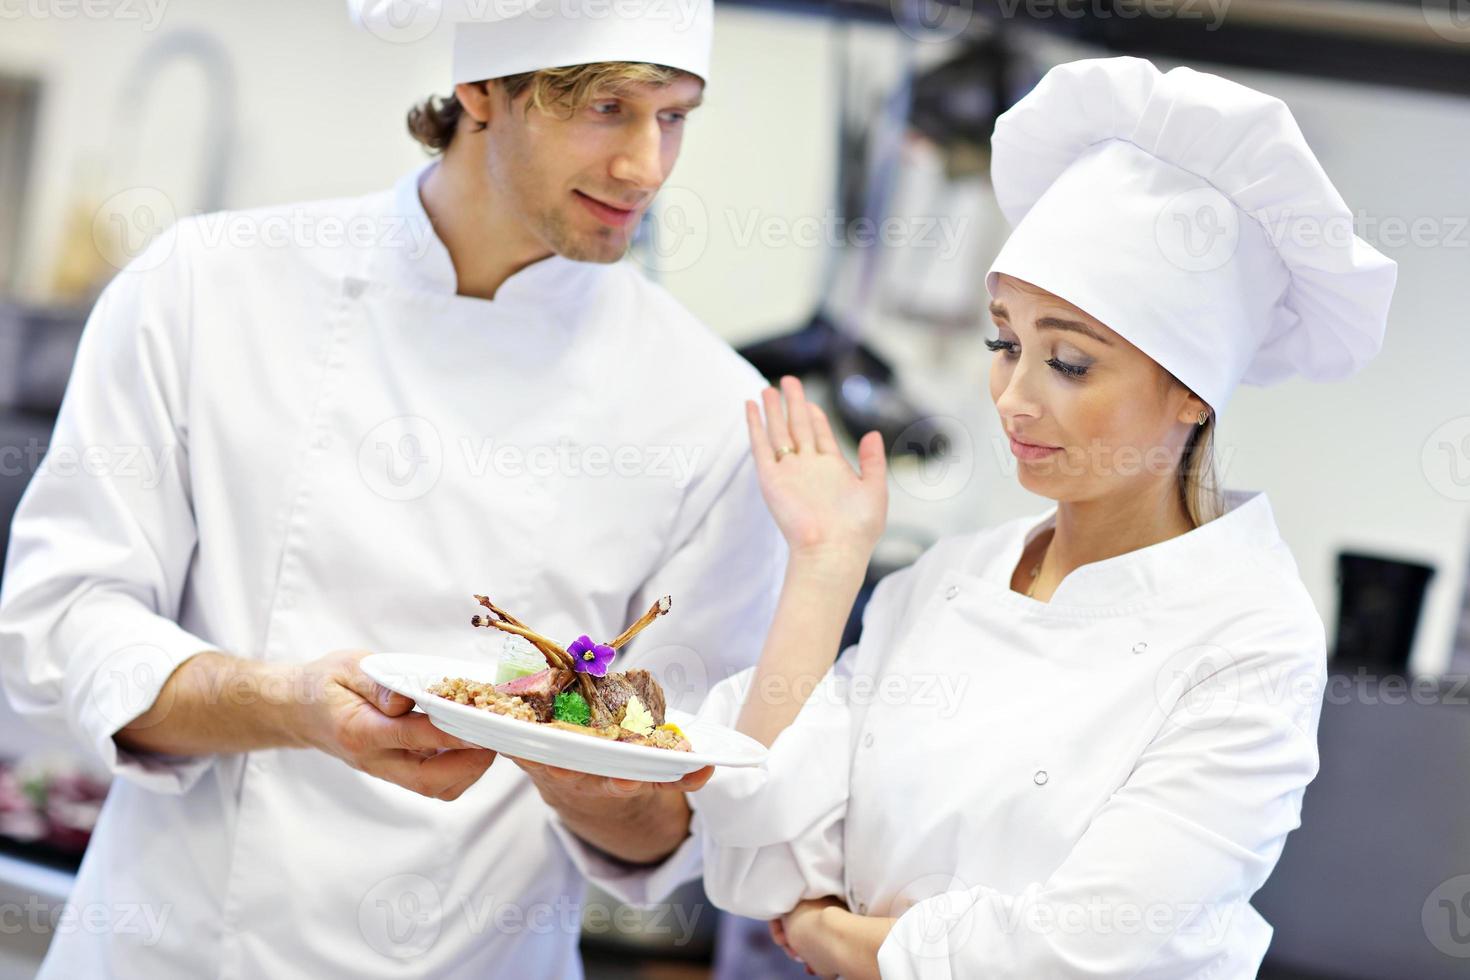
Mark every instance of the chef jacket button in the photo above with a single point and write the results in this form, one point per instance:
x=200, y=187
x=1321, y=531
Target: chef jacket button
x=952, y=591
x=1040, y=778
x=1140, y=646
x=862, y=908
x=868, y=740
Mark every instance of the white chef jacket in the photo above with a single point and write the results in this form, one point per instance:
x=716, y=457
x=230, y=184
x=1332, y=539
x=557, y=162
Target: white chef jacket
x=344, y=451
x=1091, y=786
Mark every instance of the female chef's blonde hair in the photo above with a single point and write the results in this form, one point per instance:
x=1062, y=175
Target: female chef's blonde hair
x=1199, y=485
x=434, y=121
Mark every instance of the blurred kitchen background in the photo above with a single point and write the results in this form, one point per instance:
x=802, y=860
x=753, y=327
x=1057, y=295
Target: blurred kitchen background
x=118, y=116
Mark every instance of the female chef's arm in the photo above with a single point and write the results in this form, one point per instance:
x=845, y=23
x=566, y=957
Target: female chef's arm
x=1151, y=887
x=772, y=837
x=731, y=573
x=831, y=518
x=723, y=566
x=99, y=552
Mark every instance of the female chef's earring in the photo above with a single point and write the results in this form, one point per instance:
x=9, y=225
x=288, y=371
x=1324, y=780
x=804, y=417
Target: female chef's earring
x=1204, y=417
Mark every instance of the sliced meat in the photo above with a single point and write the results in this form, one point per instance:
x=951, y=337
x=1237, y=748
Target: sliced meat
x=618, y=686
x=539, y=690
x=614, y=690
x=649, y=692
x=602, y=714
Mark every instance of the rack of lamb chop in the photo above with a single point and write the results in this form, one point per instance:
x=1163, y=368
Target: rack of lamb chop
x=576, y=691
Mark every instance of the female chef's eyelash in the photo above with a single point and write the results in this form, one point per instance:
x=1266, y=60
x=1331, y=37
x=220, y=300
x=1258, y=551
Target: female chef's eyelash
x=1061, y=367
x=1070, y=370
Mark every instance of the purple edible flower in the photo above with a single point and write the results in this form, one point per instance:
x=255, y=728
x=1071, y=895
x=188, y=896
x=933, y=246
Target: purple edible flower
x=590, y=658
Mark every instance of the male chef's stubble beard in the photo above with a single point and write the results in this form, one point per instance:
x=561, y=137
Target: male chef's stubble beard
x=603, y=245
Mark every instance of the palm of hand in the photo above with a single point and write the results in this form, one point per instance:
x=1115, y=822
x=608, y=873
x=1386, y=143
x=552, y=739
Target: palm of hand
x=818, y=500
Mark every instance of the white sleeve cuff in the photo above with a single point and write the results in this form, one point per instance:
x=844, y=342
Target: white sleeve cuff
x=922, y=941
x=801, y=785
x=108, y=690
x=639, y=885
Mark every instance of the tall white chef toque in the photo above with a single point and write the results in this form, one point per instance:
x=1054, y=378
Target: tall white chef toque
x=1188, y=214
x=495, y=38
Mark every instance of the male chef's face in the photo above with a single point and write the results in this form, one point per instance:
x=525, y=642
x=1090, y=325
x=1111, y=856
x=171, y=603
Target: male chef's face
x=580, y=183
x=1100, y=416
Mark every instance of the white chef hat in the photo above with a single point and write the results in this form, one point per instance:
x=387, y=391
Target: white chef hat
x=495, y=38
x=1188, y=214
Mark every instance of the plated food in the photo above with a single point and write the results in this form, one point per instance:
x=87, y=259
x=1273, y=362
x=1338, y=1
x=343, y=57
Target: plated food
x=575, y=691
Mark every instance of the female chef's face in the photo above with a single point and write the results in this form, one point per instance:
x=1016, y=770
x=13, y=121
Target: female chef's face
x=1088, y=414
x=581, y=183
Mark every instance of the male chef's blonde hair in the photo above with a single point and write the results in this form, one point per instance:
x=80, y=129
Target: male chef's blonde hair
x=434, y=121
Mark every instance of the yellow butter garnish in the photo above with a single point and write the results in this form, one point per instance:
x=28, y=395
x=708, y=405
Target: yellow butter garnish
x=636, y=718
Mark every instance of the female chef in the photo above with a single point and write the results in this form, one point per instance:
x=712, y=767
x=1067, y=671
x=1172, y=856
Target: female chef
x=1135, y=674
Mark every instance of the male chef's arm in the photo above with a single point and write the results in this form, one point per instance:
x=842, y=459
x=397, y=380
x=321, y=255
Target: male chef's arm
x=100, y=549
x=723, y=568
x=1152, y=886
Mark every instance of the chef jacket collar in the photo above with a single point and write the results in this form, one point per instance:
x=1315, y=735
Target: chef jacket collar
x=418, y=259
x=1242, y=534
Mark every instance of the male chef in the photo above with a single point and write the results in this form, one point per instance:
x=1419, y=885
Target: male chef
x=467, y=392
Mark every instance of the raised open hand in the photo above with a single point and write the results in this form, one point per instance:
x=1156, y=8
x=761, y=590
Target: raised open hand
x=822, y=505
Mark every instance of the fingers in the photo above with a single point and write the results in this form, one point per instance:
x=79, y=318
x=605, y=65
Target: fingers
x=444, y=776
x=826, y=442
x=390, y=703
x=872, y=462
x=563, y=782
x=691, y=782
x=457, y=789
x=776, y=428
x=760, y=442
x=778, y=936
x=413, y=733
x=606, y=786
x=798, y=420
x=448, y=769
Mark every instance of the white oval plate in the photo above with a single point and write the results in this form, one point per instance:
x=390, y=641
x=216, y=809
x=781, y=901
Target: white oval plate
x=410, y=674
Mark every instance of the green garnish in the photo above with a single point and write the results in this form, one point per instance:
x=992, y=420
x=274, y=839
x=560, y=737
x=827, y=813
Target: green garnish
x=571, y=707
